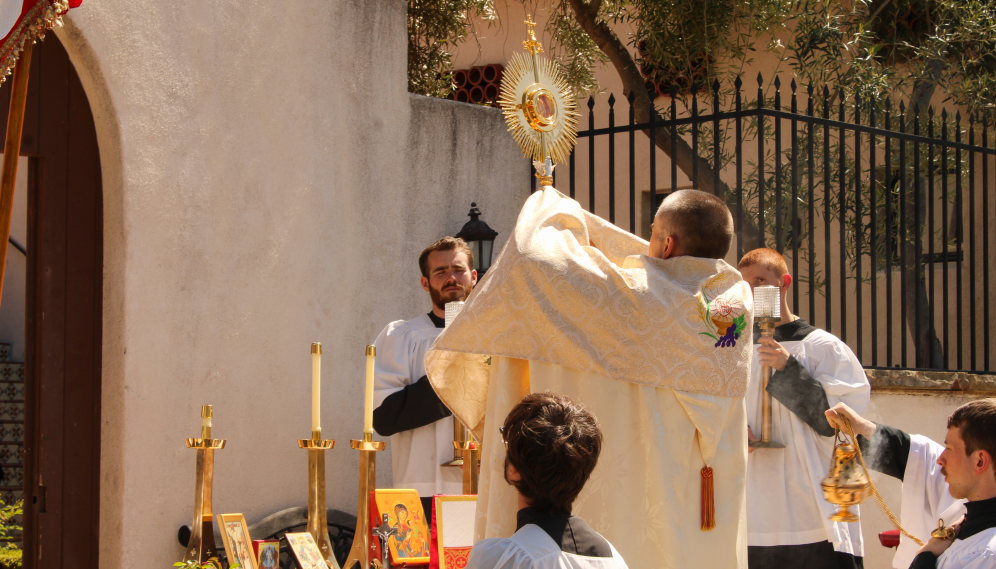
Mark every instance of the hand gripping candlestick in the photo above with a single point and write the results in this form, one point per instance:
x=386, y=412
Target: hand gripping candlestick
x=361, y=551
x=767, y=311
x=201, y=546
x=318, y=525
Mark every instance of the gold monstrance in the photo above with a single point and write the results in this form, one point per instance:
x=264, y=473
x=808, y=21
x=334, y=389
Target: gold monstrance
x=201, y=546
x=539, y=107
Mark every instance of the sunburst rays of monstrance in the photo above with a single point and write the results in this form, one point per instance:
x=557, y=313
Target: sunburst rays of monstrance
x=540, y=109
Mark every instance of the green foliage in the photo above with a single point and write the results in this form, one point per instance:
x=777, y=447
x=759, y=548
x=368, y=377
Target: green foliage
x=434, y=26
x=212, y=563
x=10, y=553
x=899, y=48
x=682, y=42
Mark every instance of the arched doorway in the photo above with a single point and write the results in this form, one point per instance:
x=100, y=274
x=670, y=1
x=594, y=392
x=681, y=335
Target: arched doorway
x=61, y=467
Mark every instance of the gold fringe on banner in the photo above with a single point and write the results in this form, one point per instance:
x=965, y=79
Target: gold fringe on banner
x=708, y=500
x=32, y=27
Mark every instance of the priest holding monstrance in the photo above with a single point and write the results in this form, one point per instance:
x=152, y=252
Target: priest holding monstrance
x=653, y=337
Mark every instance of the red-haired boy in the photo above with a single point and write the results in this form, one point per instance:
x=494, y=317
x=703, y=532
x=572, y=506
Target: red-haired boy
x=812, y=370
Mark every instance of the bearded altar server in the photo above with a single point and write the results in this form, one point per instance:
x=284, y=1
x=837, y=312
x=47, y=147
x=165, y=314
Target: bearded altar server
x=653, y=337
x=405, y=406
x=788, y=519
x=953, y=484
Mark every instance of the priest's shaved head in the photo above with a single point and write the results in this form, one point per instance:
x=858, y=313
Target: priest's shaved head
x=694, y=224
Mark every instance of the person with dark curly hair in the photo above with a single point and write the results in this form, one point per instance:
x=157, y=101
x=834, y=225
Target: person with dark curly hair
x=552, y=443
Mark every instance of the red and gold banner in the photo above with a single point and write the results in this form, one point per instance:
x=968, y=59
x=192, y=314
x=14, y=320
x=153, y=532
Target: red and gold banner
x=27, y=21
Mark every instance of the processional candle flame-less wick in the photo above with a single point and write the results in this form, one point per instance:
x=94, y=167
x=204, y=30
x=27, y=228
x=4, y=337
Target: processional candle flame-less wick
x=207, y=412
x=767, y=312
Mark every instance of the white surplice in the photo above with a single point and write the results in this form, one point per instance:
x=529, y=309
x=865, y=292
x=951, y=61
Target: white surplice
x=976, y=552
x=532, y=548
x=415, y=454
x=926, y=500
x=785, y=502
x=658, y=350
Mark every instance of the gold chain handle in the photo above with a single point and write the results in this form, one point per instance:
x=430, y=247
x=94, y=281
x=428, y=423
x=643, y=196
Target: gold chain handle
x=871, y=484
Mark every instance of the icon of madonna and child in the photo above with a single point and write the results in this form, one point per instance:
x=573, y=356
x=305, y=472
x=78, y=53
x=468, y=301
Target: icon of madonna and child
x=410, y=541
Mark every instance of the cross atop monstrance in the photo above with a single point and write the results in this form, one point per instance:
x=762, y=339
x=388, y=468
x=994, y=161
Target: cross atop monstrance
x=532, y=45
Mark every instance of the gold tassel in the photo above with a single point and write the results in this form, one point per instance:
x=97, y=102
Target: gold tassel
x=708, y=500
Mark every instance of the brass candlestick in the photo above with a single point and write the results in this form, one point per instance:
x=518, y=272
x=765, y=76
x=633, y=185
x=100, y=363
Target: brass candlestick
x=201, y=546
x=361, y=551
x=767, y=312
x=459, y=438
x=471, y=451
x=318, y=525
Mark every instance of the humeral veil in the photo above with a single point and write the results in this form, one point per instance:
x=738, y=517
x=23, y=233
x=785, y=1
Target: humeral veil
x=659, y=350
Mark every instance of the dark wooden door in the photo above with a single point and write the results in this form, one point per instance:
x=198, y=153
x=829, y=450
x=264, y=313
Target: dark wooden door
x=63, y=316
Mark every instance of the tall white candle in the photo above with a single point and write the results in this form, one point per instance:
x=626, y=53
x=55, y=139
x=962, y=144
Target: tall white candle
x=368, y=399
x=316, y=386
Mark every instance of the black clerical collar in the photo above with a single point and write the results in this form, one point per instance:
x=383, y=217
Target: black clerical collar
x=794, y=331
x=980, y=516
x=439, y=322
x=531, y=516
x=571, y=533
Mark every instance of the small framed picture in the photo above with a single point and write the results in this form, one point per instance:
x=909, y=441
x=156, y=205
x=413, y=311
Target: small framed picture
x=235, y=534
x=306, y=551
x=267, y=553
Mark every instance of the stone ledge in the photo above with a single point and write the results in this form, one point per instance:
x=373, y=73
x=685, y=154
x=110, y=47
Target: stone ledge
x=930, y=381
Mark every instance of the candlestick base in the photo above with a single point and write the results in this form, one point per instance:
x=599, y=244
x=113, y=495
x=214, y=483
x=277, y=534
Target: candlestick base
x=361, y=552
x=318, y=525
x=201, y=546
x=765, y=444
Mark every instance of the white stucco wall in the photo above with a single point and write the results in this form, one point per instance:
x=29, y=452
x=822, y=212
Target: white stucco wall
x=268, y=182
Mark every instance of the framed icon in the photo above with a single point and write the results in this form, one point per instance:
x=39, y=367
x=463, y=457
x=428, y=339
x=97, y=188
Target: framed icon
x=235, y=534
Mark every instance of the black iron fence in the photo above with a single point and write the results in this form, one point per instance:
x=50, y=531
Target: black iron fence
x=881, y=211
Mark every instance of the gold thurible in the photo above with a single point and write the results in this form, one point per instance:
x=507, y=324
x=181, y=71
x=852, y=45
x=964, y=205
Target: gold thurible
x=201, y=546
x=845, y=485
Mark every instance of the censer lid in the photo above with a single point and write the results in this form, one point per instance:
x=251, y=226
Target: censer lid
x=845, y=470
